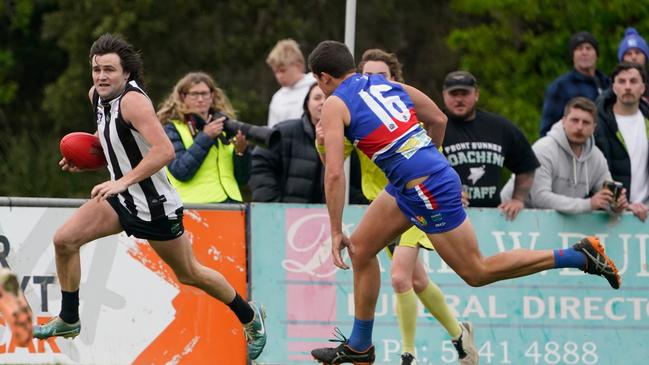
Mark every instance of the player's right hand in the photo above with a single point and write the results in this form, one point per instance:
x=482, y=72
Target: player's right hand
x=338, y=243
x=68, y=166
x=107, y=189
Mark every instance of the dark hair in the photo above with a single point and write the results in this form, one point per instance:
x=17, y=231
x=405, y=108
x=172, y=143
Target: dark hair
x=582, y=103
x=305, y=103
x=331, y=57
x=130, y=59
x=380, y=55
x=624, y=66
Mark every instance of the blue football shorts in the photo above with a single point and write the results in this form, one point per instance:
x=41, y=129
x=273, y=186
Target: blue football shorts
x=435, y=205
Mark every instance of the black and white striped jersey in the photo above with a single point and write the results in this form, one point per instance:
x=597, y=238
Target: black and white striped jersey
x=124, y=147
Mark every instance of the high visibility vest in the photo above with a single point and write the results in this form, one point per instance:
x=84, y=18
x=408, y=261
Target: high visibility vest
x=214, y=180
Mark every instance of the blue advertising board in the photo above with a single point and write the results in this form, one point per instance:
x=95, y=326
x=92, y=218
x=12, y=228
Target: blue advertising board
x=554, y=317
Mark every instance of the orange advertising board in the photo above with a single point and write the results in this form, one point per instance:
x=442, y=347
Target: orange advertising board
x=204, y=331
x=133, y=309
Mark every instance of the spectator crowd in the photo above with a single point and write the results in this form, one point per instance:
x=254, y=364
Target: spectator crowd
x=592, y=154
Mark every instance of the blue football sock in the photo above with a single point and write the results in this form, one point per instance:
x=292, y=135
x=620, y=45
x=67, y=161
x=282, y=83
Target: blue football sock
x=361, y=337
x=569, y=257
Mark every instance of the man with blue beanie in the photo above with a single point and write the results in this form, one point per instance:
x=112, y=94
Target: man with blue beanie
x=583, y=80
x=633, y=48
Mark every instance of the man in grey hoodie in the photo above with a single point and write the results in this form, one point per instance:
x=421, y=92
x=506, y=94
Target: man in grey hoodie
x=573, y=170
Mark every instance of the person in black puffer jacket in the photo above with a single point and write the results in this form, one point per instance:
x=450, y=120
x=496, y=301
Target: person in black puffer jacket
x=293, y=173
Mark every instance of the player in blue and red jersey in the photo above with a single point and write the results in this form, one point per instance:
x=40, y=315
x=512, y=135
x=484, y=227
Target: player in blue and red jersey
x=382, y=119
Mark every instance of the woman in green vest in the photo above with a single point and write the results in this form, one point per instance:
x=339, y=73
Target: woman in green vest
x=209, y=165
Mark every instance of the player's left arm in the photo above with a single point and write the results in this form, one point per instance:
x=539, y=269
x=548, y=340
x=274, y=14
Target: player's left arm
x=137, y=109
x=333, y=127
x=334, y=117
x=429, y=113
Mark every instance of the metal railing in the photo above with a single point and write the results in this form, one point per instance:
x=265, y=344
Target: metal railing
x=74, y=203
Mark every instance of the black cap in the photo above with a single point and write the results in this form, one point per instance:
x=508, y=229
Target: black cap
x=460, y=80
x=582, y=37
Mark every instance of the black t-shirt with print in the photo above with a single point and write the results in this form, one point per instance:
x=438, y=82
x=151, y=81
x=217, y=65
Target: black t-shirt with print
x=479, y=148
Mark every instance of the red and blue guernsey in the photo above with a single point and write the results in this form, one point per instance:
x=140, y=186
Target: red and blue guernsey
x=385, y=127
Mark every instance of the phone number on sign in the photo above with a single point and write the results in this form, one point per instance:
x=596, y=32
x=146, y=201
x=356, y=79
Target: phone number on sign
x=547, y=353
x=543, y=353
